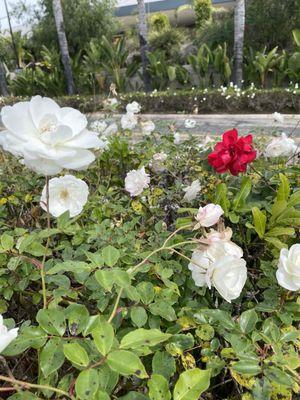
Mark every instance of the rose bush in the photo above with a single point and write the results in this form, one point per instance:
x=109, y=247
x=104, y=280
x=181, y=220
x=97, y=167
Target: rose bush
x=148, y=287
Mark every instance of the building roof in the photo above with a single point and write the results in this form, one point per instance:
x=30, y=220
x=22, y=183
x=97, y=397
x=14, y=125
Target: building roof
x=129, y=7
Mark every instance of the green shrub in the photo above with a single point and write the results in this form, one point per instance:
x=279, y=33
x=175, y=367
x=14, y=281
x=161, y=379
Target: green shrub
x=159, y=22
x=203, y=11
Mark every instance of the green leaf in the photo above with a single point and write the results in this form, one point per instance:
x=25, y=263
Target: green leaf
x=158, y=388
x=294, y=199
x=284, y=188
x=279, y=376
x=126, y=363
x=52, y=356
x=249, y=367
x=70, y=266
x=108, y=379
x=138, y=316
x=259, y=220
x=6, y=241
x=76, y=354
x=146, y=292
x=242, y=195
x=108, y=277
x=276, y=243
x=143, y=337
x=31, y=336
x=103, y=336
x=221, y=197
x=163, y=309
x=248, y=320
x=77, y=316
x=100, y=395
x=280, y=231
x=110, y=255
x=87, y=384
x=163, y=364
x=191, y=384
x=52, y=321
x=296, y=34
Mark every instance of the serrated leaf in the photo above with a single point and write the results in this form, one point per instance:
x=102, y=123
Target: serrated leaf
x=110, y=255
x=259, y=221
x=248, y=320
x=163, y=364
x=249, y=367
x=283, y=191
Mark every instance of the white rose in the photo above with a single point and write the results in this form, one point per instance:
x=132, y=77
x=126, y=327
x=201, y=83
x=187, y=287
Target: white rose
x=136, y=181
x=129, y=121
x=288, y=272
x=190, y=123
x=98, y=126
x=47, y=137
x=147, y=127
x=66, y=193
x=208, y=215
x=278, y=117
x=192, y=191
x=177, y=138
x=157, y=163
x=220, y=265
x=6, y=336
x=110, y=103
x=133, y=107
x=281, y=147
x=229, y=277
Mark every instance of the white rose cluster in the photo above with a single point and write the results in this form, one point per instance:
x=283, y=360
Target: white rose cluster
x=46, y=137
x=136, y=181
x=129, y=120
x=192, y=191
x=220, y=265
x=6, y=336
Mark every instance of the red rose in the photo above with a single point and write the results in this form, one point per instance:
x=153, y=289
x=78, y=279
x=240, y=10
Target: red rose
x=233, y=153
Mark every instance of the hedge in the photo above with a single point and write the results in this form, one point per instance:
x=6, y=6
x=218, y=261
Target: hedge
x=192, y=101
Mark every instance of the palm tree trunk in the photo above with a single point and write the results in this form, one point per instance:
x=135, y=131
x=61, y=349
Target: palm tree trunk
x=3, y=84
x=239, y=29
x=143, y=36
x=63, y=44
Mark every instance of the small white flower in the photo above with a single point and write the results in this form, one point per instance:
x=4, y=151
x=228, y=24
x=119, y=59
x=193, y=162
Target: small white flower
x=288, y=272
x=111, y=129
x=6, y=336
x=47, y=137
x=98, y=126
x=190, y=123
x=206, y=144
x=221, y=265
x=129, y=121
x=147, y=127
x=111, y=103
x=177, y=138
x=157, y=163
x=192, y=191
x=136, y=181
x=66, y=193
x=278, y=117
x=133, y=107
x=281, y=147
x=209, y=215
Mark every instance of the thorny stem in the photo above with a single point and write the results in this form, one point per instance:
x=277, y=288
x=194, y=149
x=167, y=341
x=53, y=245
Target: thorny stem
x=175, y=232
x=26, y=385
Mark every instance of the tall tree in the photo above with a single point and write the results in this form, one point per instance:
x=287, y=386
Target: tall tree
x=3, y=85
x=63, y=44
x=239, y=30
x=143, y=36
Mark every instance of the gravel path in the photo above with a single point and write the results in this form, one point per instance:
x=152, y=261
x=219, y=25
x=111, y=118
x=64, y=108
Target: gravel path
x=215, y=124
